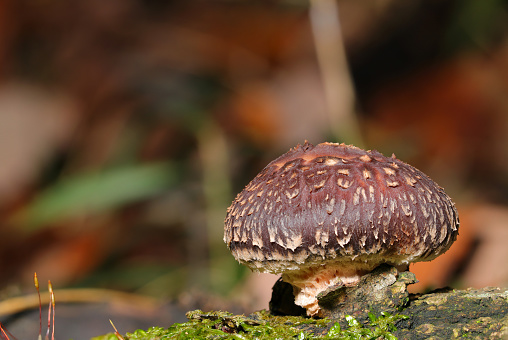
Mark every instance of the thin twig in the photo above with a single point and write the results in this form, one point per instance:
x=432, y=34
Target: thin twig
x=86, y=295
x=337, y=82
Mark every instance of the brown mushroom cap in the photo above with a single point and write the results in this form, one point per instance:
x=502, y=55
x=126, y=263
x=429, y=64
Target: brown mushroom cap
x=336, y=203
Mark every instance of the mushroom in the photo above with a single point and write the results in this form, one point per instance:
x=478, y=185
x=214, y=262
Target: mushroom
x=327, y=214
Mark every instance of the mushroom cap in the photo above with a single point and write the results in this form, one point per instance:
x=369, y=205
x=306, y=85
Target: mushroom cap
x=336, y=203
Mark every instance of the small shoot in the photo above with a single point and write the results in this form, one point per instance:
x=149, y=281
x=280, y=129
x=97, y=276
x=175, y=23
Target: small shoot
x=4, y=335
x=49, y=321
x=4, y=332
x=52, y=304
x=119, y=337
x=51, y=310
x=36, y=283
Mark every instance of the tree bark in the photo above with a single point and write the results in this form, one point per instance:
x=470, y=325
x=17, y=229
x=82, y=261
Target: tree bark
x=441, y=314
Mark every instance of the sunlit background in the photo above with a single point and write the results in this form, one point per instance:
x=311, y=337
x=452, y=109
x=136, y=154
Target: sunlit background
x=127, y=127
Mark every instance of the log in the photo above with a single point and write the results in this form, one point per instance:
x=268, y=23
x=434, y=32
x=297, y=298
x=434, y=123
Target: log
x=378, y=307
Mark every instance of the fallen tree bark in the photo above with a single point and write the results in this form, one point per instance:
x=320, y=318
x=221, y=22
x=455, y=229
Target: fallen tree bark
x=451, y=314
x=442, y=314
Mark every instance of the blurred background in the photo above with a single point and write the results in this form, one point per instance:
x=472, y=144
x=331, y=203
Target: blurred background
x=128, y=126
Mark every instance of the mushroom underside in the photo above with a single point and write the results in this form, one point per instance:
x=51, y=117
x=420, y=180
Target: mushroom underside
x=308, y=282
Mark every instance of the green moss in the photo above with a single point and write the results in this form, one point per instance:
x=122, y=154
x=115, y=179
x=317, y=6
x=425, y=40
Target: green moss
x=381, y=328
x=262, y=325
x=109, y=336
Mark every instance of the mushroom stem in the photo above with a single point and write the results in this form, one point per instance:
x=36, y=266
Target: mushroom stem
x=309, y=282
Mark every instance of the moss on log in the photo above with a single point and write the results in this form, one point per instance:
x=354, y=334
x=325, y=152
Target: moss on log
x=452, y=314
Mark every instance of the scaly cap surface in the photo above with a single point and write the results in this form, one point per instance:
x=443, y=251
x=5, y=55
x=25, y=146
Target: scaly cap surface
x=336, y=203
